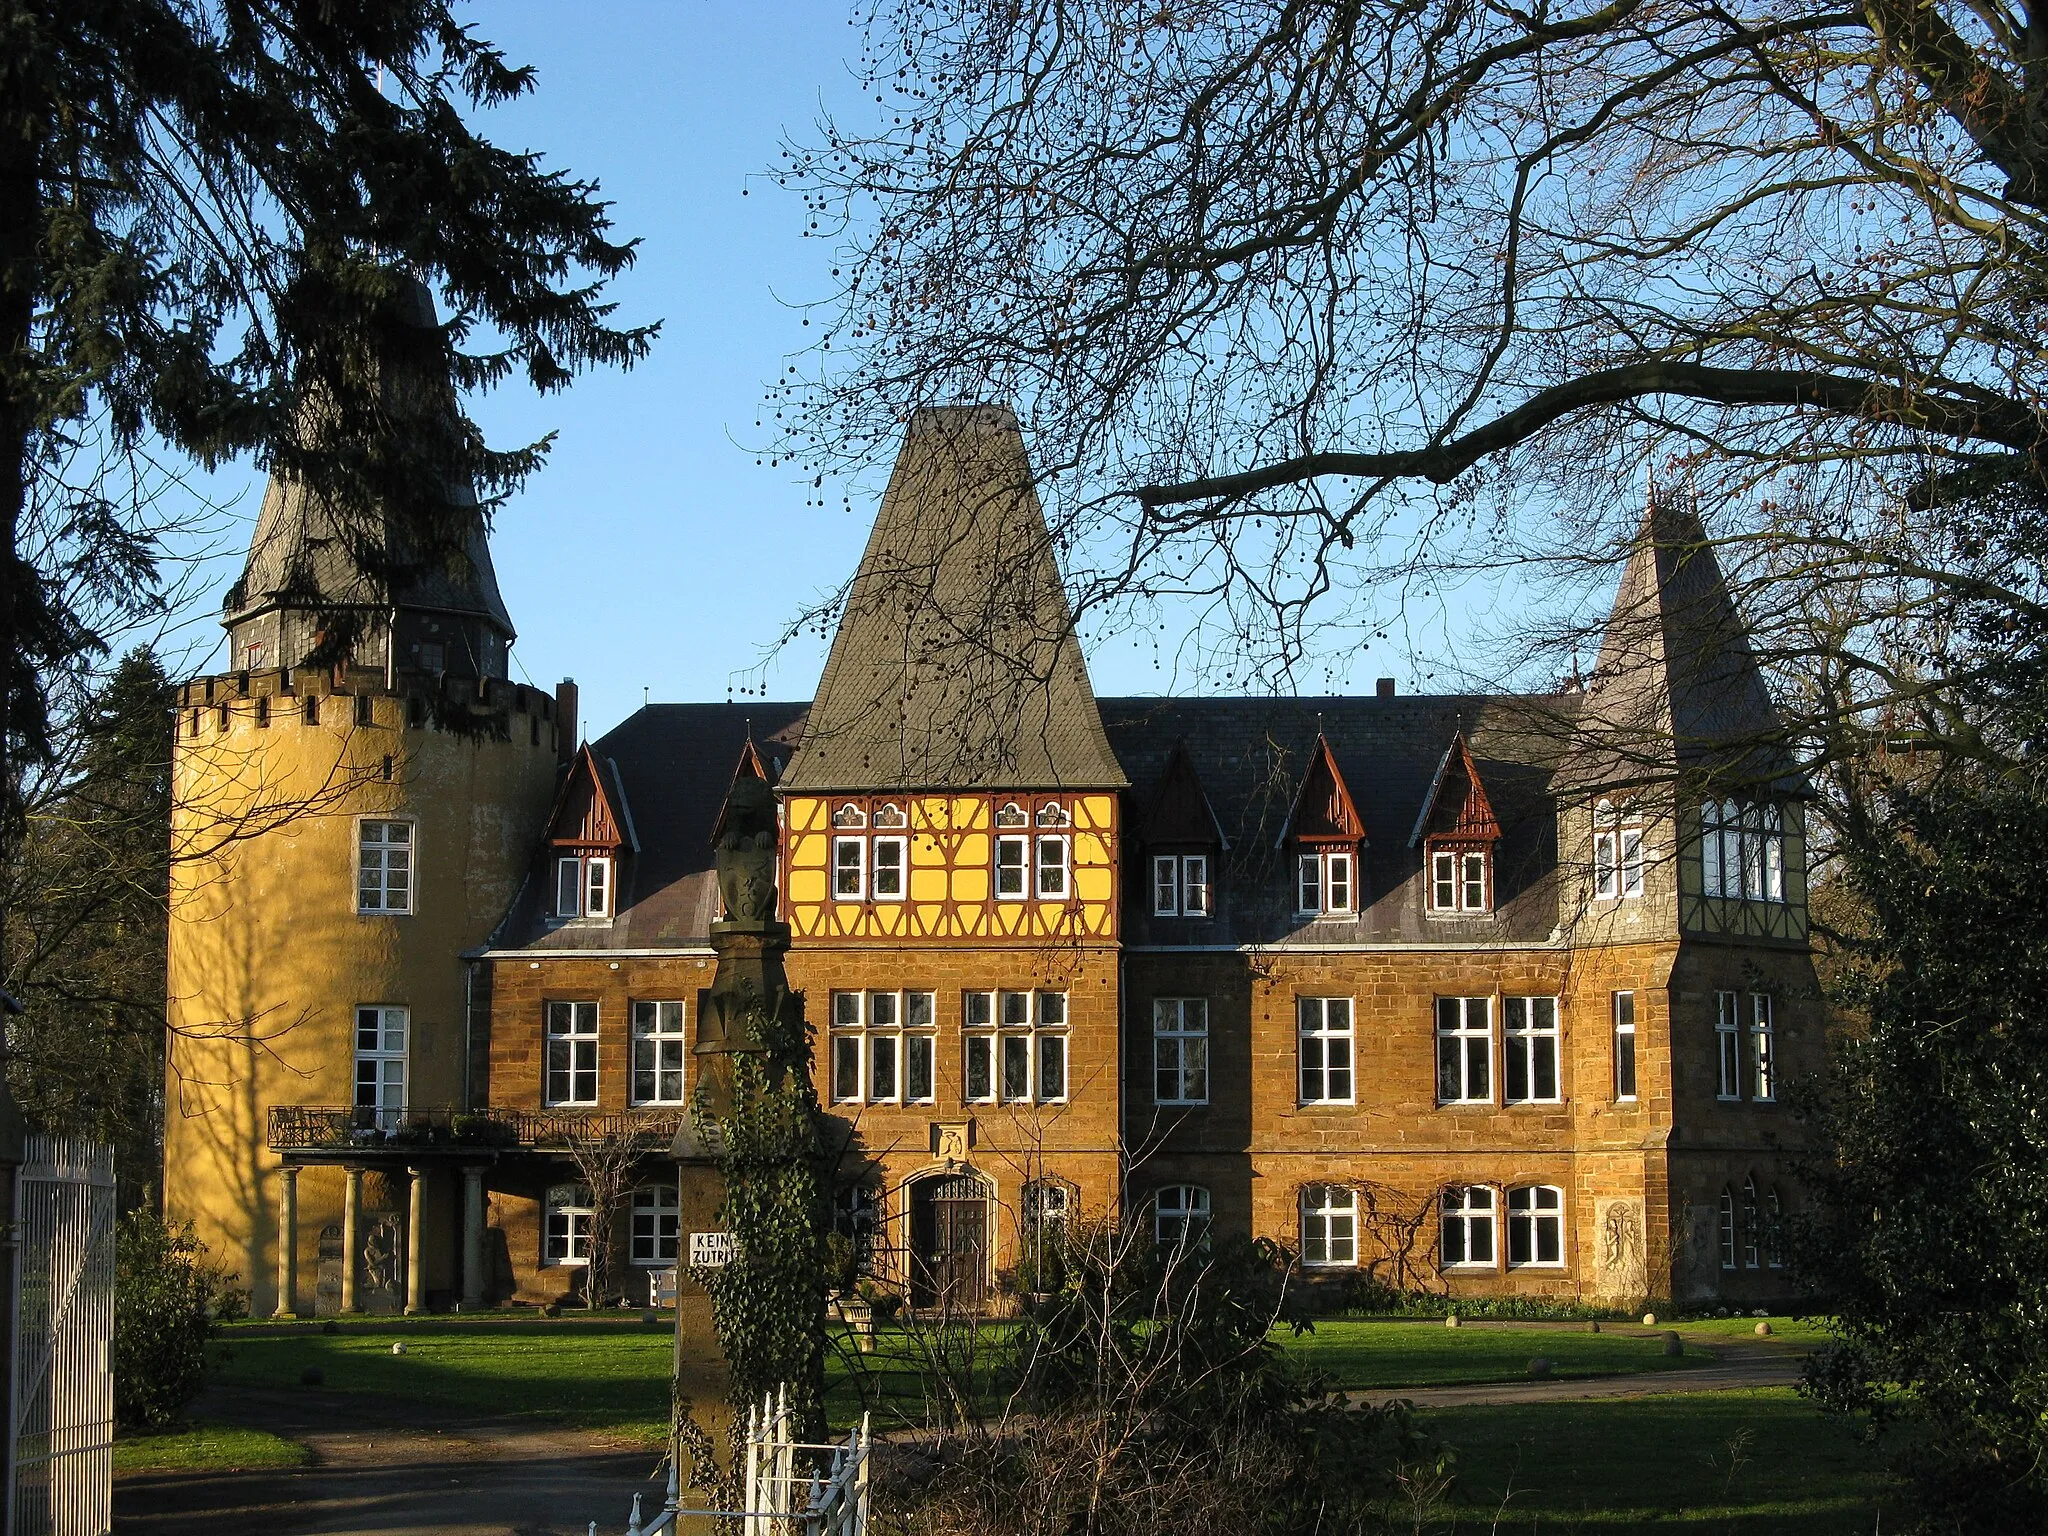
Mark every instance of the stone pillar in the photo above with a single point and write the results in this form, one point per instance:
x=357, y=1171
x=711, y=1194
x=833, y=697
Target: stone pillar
x=351, y=1238
x=415, y=1296
x=288, y=1243
x=472, y=1237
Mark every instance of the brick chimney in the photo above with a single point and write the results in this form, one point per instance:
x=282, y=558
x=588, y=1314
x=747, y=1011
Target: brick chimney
x=566, y=739
x=1384, y=688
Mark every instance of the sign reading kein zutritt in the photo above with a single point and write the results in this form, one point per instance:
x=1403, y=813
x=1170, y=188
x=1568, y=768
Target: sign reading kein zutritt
x=710, y=1250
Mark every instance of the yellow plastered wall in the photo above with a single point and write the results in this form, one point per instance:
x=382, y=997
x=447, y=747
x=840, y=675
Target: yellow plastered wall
x=269, y=957
x=949, y=883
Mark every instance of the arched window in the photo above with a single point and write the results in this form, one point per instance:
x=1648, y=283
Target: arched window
x=849, y=815
x=656, y=1222
x=1774, y=1229
x=1180, y=1216
x=1050, y=814
x=1726, y=1228
x=890, y=816
x=1329, y=1224
x=1536, y=1226
x=1468, y=1218
x=566, y=1229
x=1012, y=815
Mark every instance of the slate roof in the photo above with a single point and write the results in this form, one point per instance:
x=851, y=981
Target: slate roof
x=304, y=554
x=1676, y=689
x=673, y=764
x=955, y=665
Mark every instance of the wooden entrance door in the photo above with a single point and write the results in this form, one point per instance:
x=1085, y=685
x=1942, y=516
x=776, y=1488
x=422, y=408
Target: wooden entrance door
x=948, y=1243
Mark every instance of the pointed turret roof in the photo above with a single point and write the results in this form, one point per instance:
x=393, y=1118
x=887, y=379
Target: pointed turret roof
x=1677, y=689
x=955, y=665
x=307, y=554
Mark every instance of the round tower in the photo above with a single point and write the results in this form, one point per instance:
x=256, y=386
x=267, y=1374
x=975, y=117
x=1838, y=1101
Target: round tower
x=350, y=820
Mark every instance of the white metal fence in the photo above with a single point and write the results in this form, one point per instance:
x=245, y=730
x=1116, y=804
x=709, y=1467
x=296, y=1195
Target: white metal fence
x=61, y=1401
x=791, y=1487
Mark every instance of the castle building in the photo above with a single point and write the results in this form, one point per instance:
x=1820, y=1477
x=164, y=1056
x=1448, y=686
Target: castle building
x=1487, y=994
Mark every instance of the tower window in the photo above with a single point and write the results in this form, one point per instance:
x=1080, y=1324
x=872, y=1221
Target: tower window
x=380, y=1066
x=1742, y=850
x=1617, y=850
x=384, y=865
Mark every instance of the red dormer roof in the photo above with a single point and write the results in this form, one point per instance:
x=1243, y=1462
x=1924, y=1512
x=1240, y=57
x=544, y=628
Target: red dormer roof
x=1180, y=811
x=1323, y=810
x=590, y=809
x=1456, y=805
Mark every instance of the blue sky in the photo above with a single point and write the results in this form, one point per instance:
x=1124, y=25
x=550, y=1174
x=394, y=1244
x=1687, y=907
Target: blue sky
x=652, y=554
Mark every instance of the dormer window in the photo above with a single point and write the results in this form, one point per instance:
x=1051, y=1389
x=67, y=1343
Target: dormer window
x=1180, y=885
x=1617, y=850
x=1460, y=879
x=1325, y=882
x=583, y=886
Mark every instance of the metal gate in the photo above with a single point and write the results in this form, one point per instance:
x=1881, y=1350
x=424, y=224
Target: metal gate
x=61, y=1400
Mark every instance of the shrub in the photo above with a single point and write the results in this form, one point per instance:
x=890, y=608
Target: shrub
x=167, y=1302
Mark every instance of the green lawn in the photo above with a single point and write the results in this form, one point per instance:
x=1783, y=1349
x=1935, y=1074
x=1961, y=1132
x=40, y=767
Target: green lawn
x=1363, y=1354
x=1810, y=1332
x=608, y=1375
x=205, y=1448
x=1722, y=1462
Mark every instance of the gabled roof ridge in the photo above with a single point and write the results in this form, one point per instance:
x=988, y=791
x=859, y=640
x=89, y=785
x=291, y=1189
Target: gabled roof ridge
x=586, y=759
x=1322, y=754
x=1461, y=750
x=1180, y=767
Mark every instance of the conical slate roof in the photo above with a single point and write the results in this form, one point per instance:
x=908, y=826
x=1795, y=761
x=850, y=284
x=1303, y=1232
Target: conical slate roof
x=955, y=665
x=306, y=555
x=1677, y=690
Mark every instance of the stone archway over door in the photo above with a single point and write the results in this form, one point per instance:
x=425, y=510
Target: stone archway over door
x=950, y=1232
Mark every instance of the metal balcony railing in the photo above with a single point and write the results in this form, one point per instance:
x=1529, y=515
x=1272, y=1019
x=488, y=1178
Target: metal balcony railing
x=364, y=1128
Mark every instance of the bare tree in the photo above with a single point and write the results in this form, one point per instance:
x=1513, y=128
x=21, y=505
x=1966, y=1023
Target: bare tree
x=1310, y=301
x=606, y=1157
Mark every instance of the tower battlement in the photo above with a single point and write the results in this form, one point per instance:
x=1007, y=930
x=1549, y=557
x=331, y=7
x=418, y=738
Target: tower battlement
x=491, y=708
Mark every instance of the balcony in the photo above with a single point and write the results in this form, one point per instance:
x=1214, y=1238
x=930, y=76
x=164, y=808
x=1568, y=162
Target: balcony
x=343, y=1128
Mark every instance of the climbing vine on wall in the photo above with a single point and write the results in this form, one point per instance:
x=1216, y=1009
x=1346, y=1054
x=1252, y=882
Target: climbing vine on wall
x=768, y=1305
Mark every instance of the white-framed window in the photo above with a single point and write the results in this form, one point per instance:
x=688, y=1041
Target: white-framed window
x=1725, y=1226
x=1536, y=1227
x=1617, y=850
x=1047, y=1203
x=1728, y=1045
x=1464, y=1050
x=1324, y=882
x=978, y=1044
x=1742, y=850
x=1180, y=885
x=1324, y=1025
x=572, y=1053
x=1752, y=1226
x=659, y=1052
x=1180, y=1050
x=1054, y=851
x=1468, y=1218
x=656, y=1222
x=1329, y=1224
x=380, y=1064
x=1529, y=1072
x=1029, y=1050
x=1625, y=1046
x=891, y=866
x=849, y=868
x=566, y=1225
x=1460, y=880
x=384, y=866
x=883, y=1047
x=1763, y=1056
x=1180, y=1216
x=583, y=886
x=1011, y=874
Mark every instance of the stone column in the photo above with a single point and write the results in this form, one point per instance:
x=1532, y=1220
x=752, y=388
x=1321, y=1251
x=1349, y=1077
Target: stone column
x=472, y=1237
x=351, y=1239
x=288, y=1243
x=415, y=1296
